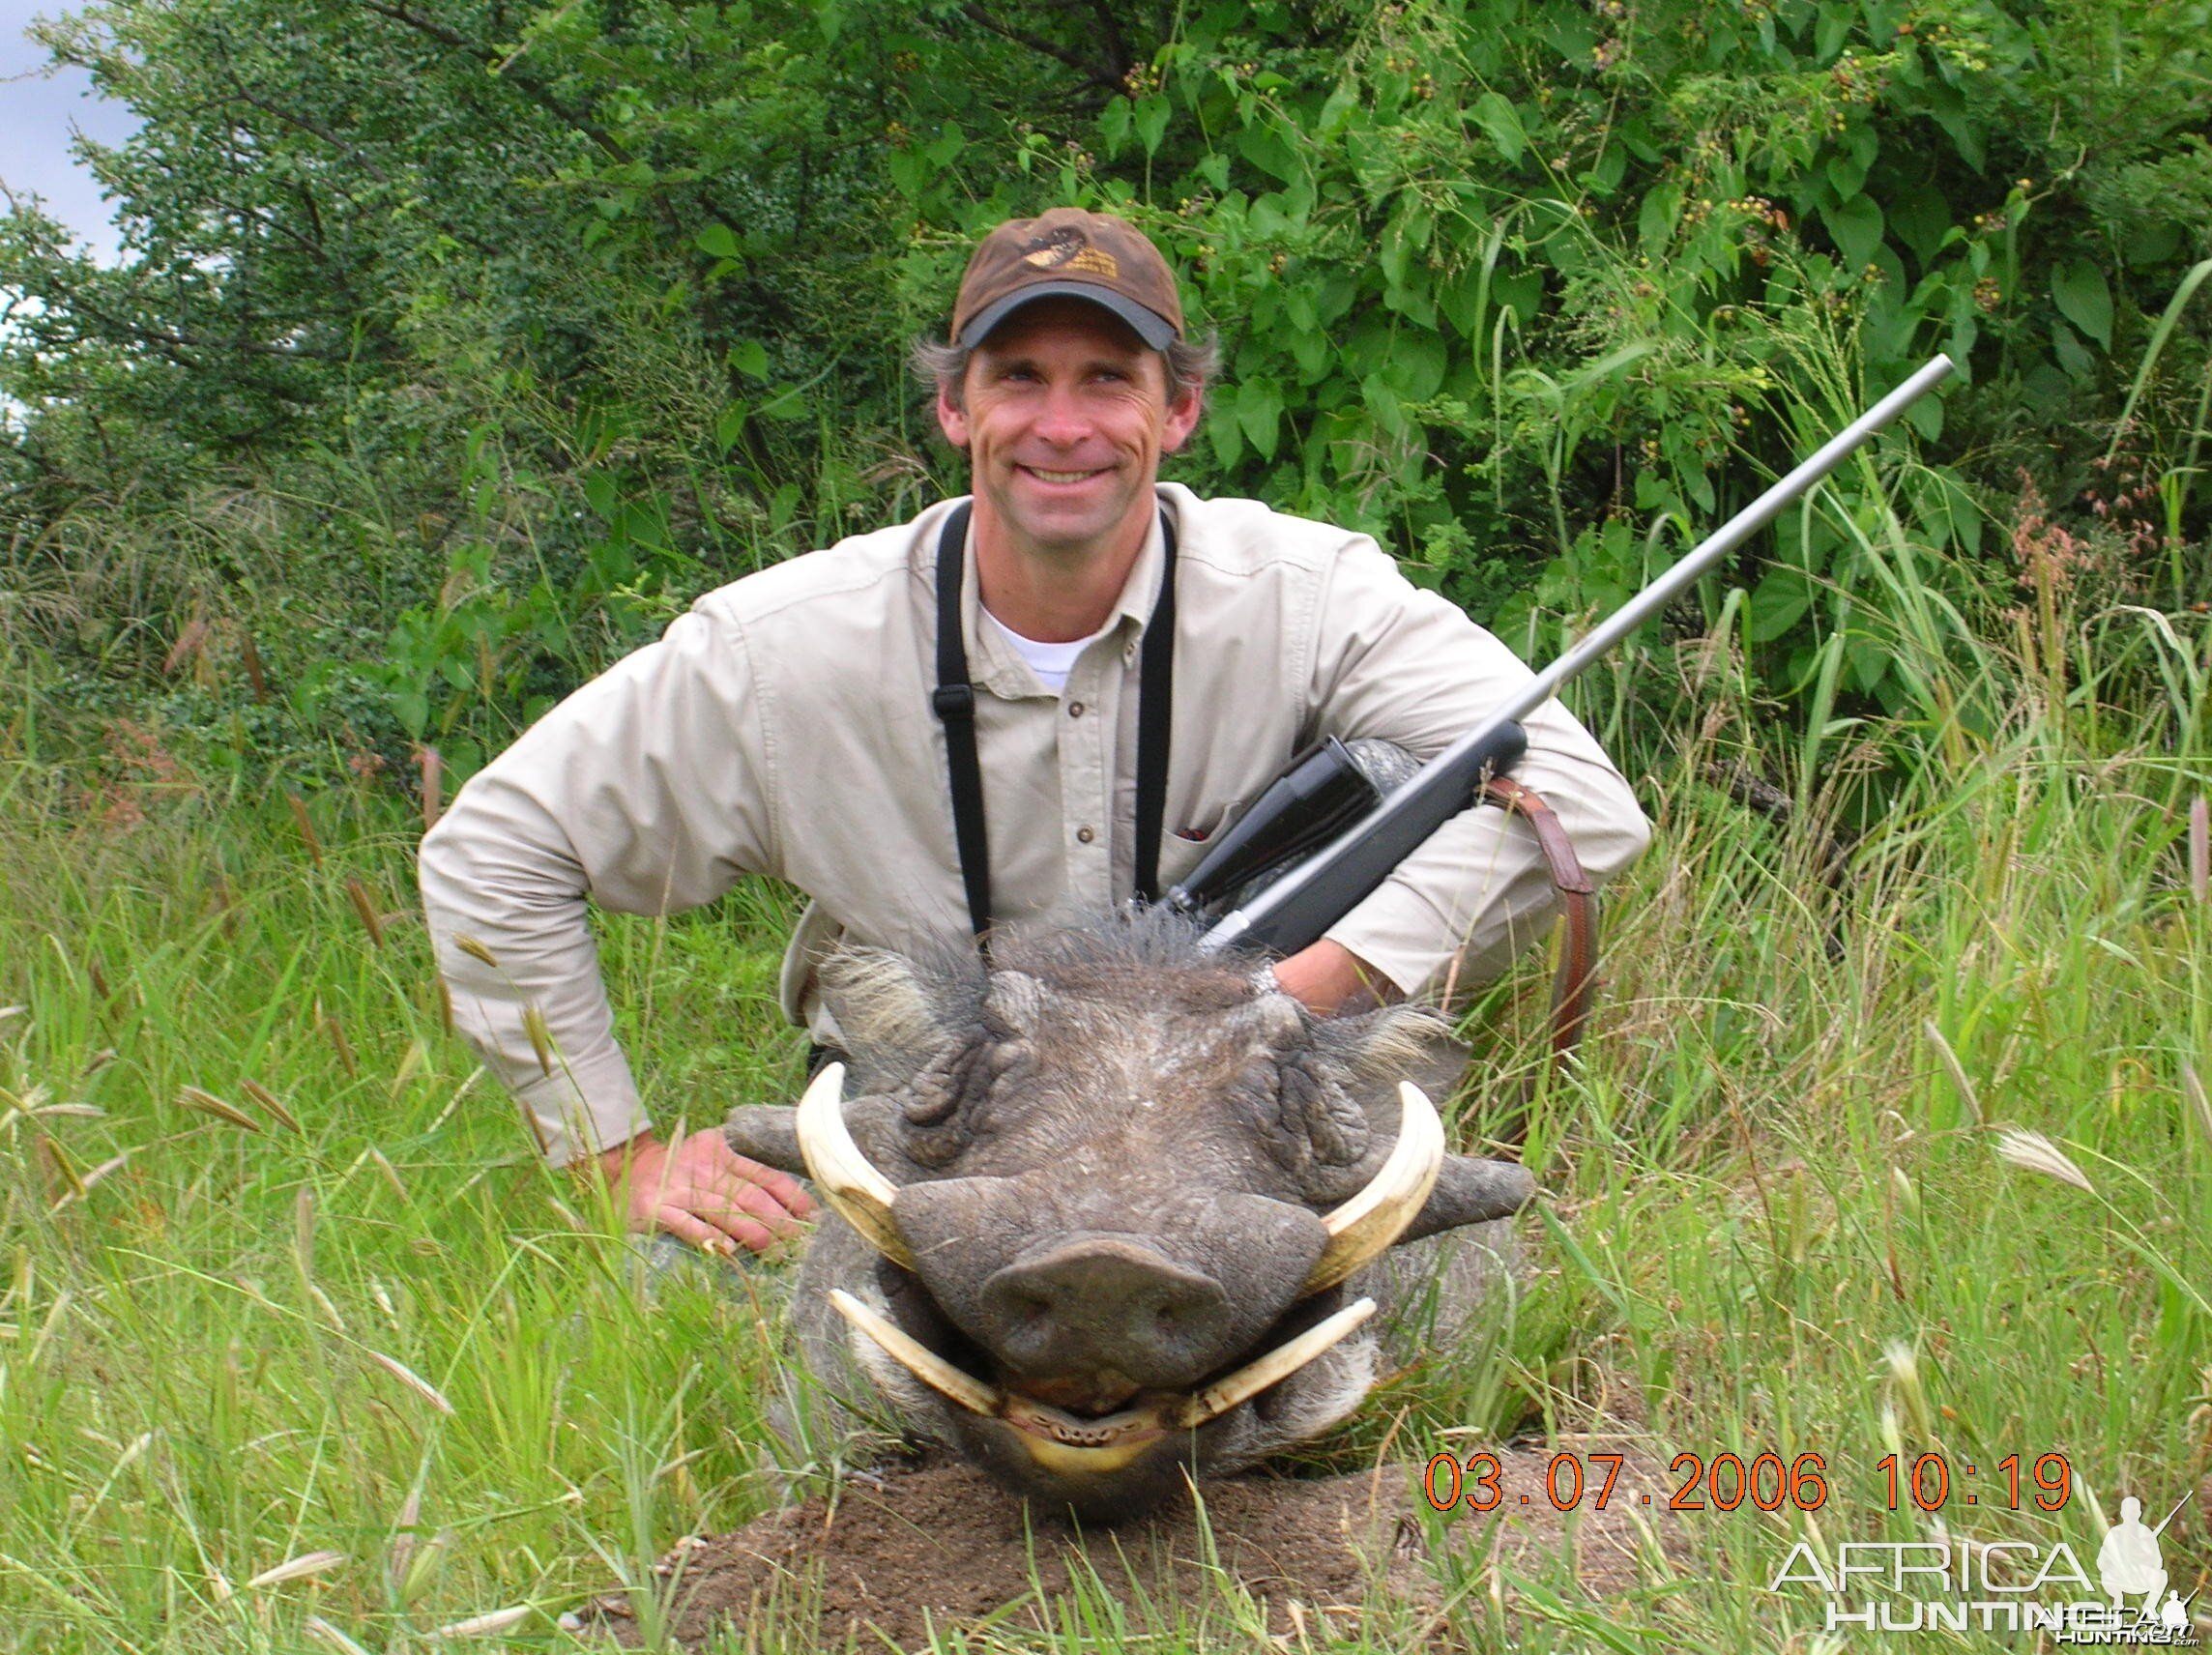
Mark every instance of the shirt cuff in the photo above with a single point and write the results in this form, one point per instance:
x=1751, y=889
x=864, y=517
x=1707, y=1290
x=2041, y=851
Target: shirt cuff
x=583, y=1109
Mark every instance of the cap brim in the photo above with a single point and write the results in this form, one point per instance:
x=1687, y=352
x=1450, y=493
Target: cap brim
x=1155, y=330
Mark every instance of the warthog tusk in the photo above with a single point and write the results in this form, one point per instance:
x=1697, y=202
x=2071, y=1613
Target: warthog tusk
x=1276, y=1366
x=1366, y=1225
x=920, y=1360
x=1129, y=1429
x=861, y=1196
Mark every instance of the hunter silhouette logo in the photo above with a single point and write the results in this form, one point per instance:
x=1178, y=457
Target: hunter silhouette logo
x=1068, y=248
x=2129, y=1565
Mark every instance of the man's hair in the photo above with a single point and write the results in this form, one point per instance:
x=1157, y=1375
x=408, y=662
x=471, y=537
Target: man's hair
x=1189, y=363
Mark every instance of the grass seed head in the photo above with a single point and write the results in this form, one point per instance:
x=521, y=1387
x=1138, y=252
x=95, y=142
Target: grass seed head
x=298, y=1568
x=207, y=1103
x=485, y=1625
x=2194, y=1087
x=2039, y=1154
x=272, y=1105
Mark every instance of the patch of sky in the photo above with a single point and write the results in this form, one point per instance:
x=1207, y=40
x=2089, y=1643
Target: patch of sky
x=46, y=109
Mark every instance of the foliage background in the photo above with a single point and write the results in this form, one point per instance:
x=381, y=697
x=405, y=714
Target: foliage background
x=454, y=346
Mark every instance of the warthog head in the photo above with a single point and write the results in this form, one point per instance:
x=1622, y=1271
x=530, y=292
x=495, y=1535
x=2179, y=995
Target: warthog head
x=1115, y=1208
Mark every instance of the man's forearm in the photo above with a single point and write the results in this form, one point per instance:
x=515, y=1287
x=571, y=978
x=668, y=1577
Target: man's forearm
x=507, y=922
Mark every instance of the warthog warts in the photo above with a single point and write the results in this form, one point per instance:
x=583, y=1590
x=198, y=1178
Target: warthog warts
x=1114, y=1207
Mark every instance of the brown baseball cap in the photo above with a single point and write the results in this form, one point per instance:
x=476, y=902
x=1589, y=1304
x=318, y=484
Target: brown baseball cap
x=1082, y=255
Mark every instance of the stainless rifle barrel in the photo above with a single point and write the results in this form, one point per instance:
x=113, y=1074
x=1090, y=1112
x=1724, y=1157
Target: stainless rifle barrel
x=1607, y=633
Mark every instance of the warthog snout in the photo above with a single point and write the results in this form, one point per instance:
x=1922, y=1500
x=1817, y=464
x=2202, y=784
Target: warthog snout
x=1105, y=1305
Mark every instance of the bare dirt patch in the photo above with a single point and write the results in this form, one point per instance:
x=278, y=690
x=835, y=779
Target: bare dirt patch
x=937, y=1544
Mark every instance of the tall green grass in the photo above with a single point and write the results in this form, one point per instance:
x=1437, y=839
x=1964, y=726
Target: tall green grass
x=301, y=1348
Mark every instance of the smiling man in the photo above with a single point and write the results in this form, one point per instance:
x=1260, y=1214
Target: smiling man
x=1038, y=701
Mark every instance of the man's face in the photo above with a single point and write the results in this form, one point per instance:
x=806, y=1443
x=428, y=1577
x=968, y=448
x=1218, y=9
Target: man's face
x=1065, y=419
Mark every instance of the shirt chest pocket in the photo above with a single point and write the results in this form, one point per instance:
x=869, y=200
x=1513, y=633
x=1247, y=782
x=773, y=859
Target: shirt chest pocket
x=1184, y=845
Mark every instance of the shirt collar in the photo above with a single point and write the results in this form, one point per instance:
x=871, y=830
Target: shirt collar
x=992, y=659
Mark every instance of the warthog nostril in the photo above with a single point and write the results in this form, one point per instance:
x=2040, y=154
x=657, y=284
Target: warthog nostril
x=1092, y=1302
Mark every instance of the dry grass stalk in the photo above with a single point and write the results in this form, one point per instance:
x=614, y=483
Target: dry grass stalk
x=433, y=786
x=2039, y=1154
x=255, y=676
x=316, y=1627
x=274, y=1106
x=402, y=1547
x=474, y=949
x=413, y=1381
x=187, y=644
x=485, y=1625
x=2200, y=849
x=298, y=1568
x=306, y=828
x=2195, y=1088
x=338, y=1042
x=366, y=910
x=207, y=1103
x=1957, y=1071
x=541, y=1037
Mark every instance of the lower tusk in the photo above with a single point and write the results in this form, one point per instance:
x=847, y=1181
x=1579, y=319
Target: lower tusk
x=1118, y=1436
x=920, y=1360
x=1272, y=1369
x=1364, y=1227
x=849, y=1182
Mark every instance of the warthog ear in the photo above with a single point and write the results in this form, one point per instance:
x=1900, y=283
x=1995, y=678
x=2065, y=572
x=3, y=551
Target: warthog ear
x=891, y=1019
x=1472, y=1190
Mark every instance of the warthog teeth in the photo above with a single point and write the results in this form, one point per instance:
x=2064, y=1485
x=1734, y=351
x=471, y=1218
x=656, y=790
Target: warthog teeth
x=1119, y=1430
x=849, y=1182
x=1364, y=1227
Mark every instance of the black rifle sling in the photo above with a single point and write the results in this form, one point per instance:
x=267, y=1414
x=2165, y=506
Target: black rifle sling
x=954, y=703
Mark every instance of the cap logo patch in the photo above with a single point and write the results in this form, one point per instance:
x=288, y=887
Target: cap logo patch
x=1051, y=251
x=1097, y=263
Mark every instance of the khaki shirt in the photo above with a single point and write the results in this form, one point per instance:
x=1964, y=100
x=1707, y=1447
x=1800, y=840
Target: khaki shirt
x=783, y=726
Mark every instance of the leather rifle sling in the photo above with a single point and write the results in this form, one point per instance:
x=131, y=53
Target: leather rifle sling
x=953, y=701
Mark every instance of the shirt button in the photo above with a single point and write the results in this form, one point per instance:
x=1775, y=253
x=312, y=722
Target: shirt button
x=1085, y=835
x=1075, y=710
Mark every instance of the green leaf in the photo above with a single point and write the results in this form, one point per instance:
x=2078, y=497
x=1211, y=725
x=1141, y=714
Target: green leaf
x=719, y=241
x=1856, y=226
x=1656, y=217
x=2084, y=298
x=1495, y=115
x=1259, y=413
x=1151, y=122
x=1114, y=125
x=749, y=357
x=729, y=426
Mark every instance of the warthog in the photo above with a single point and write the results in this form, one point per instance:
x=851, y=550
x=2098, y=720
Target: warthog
x=1115, y=1208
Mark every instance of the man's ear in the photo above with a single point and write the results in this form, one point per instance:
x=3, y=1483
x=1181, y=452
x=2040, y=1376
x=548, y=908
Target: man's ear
x=951, y=419
x=1181, y=419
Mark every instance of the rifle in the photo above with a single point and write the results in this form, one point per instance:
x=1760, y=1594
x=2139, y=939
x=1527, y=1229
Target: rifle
x=1298, y=908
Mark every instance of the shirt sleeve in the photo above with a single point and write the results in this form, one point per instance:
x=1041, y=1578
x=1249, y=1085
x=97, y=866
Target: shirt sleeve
x=1406, y=665
x=648, y=791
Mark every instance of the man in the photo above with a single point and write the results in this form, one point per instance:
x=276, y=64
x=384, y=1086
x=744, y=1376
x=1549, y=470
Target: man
x=804, y=723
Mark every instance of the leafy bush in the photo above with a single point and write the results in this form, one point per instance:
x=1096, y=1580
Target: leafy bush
x=453, y=349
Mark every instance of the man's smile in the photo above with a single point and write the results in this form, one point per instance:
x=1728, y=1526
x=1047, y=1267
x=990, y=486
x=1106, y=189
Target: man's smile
x=1044, y=475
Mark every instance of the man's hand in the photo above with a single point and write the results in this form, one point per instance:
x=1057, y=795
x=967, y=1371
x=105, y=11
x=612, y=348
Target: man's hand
x=1327, y=977
x=703, y=1192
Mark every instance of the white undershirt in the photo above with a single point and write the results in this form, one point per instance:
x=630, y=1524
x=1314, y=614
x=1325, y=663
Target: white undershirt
x=1051, y=663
